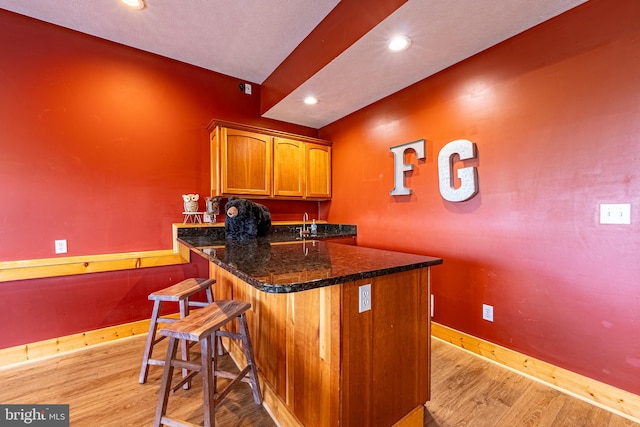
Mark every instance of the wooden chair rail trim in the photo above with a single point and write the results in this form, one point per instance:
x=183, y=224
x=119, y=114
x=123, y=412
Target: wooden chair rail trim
x=66, y=266
x=612, y=399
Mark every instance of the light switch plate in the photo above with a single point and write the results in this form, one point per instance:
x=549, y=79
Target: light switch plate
x=619, y=213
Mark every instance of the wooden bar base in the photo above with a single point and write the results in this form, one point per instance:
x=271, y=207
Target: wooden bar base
x=323, y=363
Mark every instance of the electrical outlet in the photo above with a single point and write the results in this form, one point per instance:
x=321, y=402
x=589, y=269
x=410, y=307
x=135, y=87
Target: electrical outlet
x=487, y=312
x=61, y=246
x=247, y=88
x=364, y=298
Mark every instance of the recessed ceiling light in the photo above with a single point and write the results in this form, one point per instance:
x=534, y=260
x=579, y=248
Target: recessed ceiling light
x=311, y=100
x=134, y=4
x=399, y=43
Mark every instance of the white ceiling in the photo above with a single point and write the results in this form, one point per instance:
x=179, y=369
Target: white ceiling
x=248, y=39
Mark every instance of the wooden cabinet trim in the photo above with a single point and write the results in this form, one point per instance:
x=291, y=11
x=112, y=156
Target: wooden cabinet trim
x=272, y=132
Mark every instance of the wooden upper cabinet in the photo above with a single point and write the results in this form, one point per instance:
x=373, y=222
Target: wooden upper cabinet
x=250, y=161
x=245, y=162
x=318, y=169
x=288, y=167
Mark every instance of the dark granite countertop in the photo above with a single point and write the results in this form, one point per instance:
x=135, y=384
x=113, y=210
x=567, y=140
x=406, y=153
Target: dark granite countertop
x=280, y=263
x=214, y=235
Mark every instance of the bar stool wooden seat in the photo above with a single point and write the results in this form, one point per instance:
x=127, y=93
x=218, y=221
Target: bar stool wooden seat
x=203, y=326
x=180, y=293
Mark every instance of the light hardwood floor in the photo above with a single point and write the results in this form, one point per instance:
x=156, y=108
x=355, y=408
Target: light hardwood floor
x=467, y=390
x=101, y=386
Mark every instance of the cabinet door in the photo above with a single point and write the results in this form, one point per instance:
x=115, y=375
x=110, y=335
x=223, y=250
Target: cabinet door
x=288, y=167
x=318, y=180
x=245, y=162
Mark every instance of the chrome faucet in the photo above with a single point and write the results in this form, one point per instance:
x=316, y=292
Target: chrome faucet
x=303, y=229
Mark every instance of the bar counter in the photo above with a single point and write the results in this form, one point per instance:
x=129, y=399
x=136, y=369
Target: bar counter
x=324, y=358
x=299, y=265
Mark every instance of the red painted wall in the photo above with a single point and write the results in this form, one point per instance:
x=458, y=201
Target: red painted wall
x=97, y=144
x=555, y=115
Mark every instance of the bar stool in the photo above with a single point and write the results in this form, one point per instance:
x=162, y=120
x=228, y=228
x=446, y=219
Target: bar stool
x=204, y=326
x=180, y=293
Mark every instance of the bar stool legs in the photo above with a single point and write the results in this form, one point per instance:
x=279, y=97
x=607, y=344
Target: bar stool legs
x=151, y=341
x=180, y=293
x=248, y=353
x=250, y=373
x=165, y=385
x=204, y=326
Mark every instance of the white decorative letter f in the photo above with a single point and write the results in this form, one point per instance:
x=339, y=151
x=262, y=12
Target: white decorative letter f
x=400, y=167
